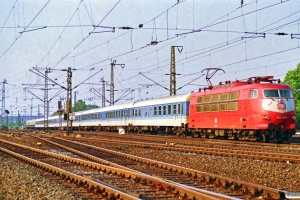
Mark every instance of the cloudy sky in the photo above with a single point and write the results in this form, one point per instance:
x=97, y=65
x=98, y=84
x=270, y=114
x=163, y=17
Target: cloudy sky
x=256, y=38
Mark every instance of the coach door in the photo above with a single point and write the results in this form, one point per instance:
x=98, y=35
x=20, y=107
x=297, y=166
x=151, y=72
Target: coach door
x=125, y=117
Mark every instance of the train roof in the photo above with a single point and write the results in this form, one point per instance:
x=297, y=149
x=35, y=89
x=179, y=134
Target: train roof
x=52, y=117
x=163, y=100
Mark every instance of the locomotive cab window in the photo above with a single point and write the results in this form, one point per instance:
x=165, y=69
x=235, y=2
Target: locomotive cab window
x=253, y=93
x=271, y=93
x=285, y=93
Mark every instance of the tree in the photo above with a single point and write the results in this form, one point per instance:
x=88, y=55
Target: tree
x=293, y=79
x=80, y=106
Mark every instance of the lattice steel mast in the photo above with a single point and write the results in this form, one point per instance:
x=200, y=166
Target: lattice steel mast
x=3, y=101
x=103, y=92
x=46, y=103
x=112, y=84
x=173, y=69
x=69, y=101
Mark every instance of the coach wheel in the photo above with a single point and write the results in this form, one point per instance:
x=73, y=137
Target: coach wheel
x=195, y=135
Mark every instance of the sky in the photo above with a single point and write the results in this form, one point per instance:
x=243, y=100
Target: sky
x=255, y=38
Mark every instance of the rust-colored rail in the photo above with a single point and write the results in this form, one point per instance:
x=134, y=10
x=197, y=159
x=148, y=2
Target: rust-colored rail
x=90, y=185
x=149, y=187
x=241, y=152
x=223, y=182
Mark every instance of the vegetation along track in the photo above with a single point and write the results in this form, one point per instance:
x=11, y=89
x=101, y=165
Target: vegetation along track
x=179, y=174
x=103, y=181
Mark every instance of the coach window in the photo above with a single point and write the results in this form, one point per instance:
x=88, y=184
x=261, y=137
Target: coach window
x=134, y=112
x=155, y=110
x=253, y=93
x=169, y=109
x=179, y=109
x=159, y=110
x=139, y=114
x=164, y=110
x=174, y=109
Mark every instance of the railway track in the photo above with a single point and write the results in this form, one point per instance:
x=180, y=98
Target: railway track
x=252, y=152
x=103, y=181
x=214, y=180
x=184, y=141
x=225, y=185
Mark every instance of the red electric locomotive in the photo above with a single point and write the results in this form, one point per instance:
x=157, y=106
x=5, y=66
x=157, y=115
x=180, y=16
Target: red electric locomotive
x=258, y=109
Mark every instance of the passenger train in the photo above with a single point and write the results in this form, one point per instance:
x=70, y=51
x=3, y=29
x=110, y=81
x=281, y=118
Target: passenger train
x=259, y=109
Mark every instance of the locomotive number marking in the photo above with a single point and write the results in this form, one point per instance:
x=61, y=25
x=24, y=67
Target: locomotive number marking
x=282, y=117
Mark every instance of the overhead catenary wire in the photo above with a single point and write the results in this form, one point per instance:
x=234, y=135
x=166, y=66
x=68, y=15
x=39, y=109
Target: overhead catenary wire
x=131, y=50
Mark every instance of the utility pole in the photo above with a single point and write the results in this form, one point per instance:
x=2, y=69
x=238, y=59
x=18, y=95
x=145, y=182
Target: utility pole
x=69, y=101
x=173, y=69
x=38, y=110
x=31, y=109
x=76, y=92
x=112, y=84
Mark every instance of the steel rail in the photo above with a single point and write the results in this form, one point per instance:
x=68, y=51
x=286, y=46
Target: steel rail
x=190, y=193
x=225, y=182
x=70, y=176
x=252, y=154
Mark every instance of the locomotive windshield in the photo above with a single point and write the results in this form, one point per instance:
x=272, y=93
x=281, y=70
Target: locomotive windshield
x=277, y=93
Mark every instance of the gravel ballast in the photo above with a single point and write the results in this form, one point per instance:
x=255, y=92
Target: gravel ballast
x=20, y=181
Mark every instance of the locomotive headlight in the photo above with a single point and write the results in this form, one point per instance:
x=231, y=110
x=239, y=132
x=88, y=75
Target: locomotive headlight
x=294, y=117
x=268, y=117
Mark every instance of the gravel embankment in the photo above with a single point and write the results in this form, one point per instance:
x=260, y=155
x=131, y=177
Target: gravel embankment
x=19, y=181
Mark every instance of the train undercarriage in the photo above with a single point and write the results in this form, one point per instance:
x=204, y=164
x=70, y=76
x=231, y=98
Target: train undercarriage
x=239, y=134
x=183, y=131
